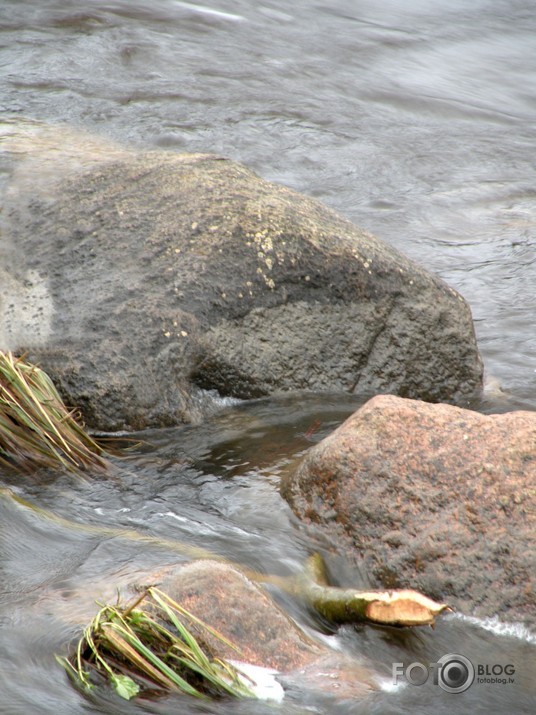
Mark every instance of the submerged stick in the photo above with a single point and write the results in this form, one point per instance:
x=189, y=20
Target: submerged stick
x=193, y=552
x=404, y=607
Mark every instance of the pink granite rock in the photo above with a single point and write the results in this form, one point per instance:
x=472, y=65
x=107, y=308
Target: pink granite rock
x=430, y=496
x=224, y=598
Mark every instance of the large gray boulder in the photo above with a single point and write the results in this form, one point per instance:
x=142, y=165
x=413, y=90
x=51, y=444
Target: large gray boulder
x=135, y=279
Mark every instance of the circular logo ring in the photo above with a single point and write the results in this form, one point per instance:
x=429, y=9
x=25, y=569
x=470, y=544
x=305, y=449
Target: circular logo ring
x=455, y=673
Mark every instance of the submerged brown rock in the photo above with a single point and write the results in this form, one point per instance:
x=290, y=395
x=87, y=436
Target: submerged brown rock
x=434, y=497
x=227, y=600
x=136, y=278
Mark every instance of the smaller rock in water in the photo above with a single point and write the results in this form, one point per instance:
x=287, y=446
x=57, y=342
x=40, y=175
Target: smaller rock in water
x=268, y=639
x=225, y=599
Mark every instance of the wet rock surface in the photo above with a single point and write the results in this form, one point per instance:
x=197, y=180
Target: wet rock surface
x=434, y=497
x=225, y=599
x=136, y=279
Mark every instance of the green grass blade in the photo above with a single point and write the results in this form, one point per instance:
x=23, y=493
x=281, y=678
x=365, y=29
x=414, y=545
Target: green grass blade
x=157, y=662
x=193, y=619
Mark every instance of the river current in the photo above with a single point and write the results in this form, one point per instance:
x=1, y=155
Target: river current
x=416, y=120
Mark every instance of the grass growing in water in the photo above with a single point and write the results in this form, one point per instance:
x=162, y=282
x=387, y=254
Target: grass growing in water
x=36, y=428
x=152, y=650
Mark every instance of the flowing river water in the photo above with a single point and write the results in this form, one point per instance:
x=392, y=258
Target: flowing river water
x=414, y=119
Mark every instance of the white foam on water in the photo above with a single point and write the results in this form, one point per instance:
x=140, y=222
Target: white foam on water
x=203, y=10
x=387, y=685
x=261, y=681
x=498, y=627
x=172, y=515
x=208, y=402
x=333, y=642
x=221, y=400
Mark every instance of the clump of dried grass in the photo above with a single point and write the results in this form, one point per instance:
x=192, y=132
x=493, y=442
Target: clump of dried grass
x=36, y=428
x=149, y=648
